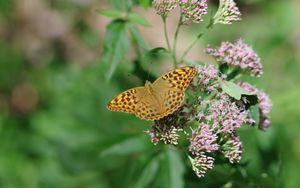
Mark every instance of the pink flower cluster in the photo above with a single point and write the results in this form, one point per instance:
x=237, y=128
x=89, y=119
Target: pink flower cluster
x=227, y=13
x=232, y=149
x=207, y=78
x=163, y=7
x=203, y=140
x=167, y=129
x=201, y=163
x=219, y=122
x=193, y=9
x=224, y=114
x=237, y=54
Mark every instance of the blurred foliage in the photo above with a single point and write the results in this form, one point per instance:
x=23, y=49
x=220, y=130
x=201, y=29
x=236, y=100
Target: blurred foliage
x=55, y=130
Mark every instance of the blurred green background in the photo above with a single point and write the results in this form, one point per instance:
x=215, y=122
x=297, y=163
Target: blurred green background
x=55, y=130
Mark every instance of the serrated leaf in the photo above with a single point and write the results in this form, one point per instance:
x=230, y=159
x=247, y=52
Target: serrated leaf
x=139, y=19
x=254, y=113
x=233, y=90
x=125, y=147
x=113, y=13
x=115, y=47
x=137, y=37
x=148, y=174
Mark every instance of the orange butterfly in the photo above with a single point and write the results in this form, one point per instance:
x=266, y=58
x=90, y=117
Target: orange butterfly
x=158, y=99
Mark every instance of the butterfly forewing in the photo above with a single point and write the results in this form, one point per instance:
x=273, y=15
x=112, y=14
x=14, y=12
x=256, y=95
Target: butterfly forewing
x=173, y=100
x=177, y=79
x=127, y=101
x=171, y=86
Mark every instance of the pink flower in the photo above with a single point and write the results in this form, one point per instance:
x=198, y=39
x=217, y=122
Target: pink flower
x=225, y=114
x=237, y=54
x=227, y=12
x=207, y=77
x=193, y=10
x=163, y=7
x=232, y=149
x=203, y=140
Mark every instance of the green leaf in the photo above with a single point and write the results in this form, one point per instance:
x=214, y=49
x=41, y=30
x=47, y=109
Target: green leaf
x=148, y=174
x=233, y=90
x=115, y=47
x=128, y=146
x=145, y=3
x=156, y=53
x=234, y=73
x=251, y=100
x=113, y=13
x=137, y=37
x=176, y=169
x=254, y=113
x=139, y=19
x=172, y=170
x=223, y=68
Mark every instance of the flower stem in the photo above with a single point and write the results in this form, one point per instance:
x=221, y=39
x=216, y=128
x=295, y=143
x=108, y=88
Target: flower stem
x=209, y=26
x=175, y=40
x=166, y=33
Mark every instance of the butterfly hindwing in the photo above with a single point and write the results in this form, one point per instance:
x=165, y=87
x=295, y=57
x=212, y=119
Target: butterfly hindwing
x=149, y=109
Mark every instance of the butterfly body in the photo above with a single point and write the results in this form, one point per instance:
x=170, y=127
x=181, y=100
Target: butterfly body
x=149, y=87
x=158, y=99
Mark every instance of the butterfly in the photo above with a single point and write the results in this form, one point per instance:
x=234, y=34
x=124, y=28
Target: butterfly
x=158, y=99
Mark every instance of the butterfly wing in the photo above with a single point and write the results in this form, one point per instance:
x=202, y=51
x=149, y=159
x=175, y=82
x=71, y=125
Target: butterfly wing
x=137, y=101
x=128, y=100
x=177, y=79
x=170, y=87
x=148, y=108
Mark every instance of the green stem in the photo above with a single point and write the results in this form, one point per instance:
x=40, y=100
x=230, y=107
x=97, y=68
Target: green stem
x=209, y=26
x=175, y=40
x=190, y=47
x=166, y=33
